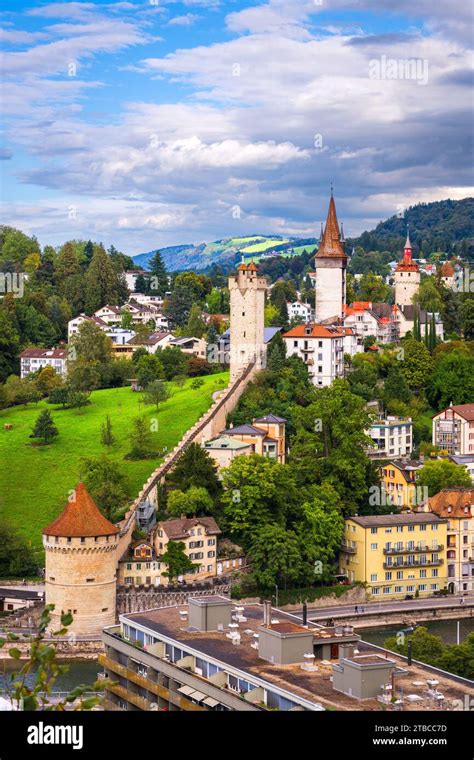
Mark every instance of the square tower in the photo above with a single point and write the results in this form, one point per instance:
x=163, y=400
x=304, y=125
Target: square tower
x=247, y=319
x=330, y=263
x=407, y=277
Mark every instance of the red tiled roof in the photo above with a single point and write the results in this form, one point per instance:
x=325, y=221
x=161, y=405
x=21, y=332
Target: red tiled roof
x=181, y=526
x=447, y=270
x=452, y=502
x=318, y=331
x=464, y=410
x=81, y=517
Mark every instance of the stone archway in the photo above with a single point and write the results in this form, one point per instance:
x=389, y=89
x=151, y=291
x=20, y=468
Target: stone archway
x=451, y=587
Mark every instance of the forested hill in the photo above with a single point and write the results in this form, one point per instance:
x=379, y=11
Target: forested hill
x=446, y=226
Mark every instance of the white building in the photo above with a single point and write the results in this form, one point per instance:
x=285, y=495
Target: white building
x=147, y=300
x=322, y=348
x=192, y=346
x=131, y=277
x=392, y=436
x=33, y=359
x=111, y=315
x=155, y=341
x=299, y=310
x=453, y=429
x=74, y=324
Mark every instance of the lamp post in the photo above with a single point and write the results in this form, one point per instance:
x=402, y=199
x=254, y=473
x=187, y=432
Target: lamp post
x=276, y=594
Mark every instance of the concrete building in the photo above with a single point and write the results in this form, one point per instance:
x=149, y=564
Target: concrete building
x=322, y=348
x=363, y=676
x=192, y=346
x=392, y=437
x=199, y=536
x=396, y=555
x=13, y=598
x=456, y=505
x=247, y=320
x=80, y=572
x=211, y=655
x=453, y=429
x=407, y=277
x=34, y=359
x=266, y=435
x=330, y=263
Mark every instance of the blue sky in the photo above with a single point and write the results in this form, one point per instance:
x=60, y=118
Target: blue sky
x=147, y=124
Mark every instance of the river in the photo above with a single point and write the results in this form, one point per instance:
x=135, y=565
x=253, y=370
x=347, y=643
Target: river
x=444, y=628
x=80, y=672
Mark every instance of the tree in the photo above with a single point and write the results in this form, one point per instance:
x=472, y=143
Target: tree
x=417, y=365
x=142, y=440
x=174, y=361
x=196, y=327
x=149, y=369
x=257, y=491
x=276, y=353
x=442, y=473
x=320, y=532
x=195, y=468
x=142, y=284
x=372, y=288
x=466, y=316
x=195, y=501
x=452, y=380
x=156, y=393
x=363, y=380
x=159, y=281
x=395, y=387
x=88, y=253
x=91, y=357
x=177, y=560
x=274, y=555
x=106, y=483
x=126, y=320
x=9, y=346
x=44, y=428
x=16, y=557
x=426, y=647
x=102, y=281
x=106, y=435
x=77, y=399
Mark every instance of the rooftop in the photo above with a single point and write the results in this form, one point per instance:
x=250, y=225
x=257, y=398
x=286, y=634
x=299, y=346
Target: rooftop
x=181, y=527
x=317, y=331
x=44, y=353
x=225, y=442
x=81, y=518
x=464, y=410
x=453, y=502
x=374, y=521
x=270, y=418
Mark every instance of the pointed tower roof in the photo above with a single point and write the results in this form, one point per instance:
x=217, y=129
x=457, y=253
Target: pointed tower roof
x=81, y=517
x=407, y=264
x=252, y=267
x=330, y=245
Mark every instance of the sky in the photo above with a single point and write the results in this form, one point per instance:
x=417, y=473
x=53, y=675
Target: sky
x=157, y=122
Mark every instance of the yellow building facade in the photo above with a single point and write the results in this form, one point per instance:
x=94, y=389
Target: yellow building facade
x=399, y=484
x=396, y=556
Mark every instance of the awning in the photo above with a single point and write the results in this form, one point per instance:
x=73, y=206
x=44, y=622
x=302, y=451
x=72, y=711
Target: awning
x=186, y=690
x=197, y=695
x=210, y=702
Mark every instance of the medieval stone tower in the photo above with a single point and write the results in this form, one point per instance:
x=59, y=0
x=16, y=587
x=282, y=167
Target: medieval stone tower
x=247, y=319
x=407, y=277
x=330, y=263
x=81, y=546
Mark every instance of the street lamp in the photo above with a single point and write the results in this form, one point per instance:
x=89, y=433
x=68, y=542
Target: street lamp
x=276, y=594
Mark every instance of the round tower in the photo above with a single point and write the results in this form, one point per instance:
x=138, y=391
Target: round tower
x=80, y=573
x=407, y=277
x=330, y=264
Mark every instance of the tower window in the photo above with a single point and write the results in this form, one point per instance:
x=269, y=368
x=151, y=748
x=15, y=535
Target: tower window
x=243, y=313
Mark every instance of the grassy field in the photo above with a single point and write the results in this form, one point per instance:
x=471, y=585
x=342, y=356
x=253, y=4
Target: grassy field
x=259, y=247
x=35, y=480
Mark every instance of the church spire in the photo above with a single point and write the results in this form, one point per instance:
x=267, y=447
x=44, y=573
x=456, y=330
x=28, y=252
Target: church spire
x=331, y=239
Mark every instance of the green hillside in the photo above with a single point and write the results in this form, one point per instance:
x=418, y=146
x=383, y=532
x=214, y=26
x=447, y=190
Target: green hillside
x=35, y=480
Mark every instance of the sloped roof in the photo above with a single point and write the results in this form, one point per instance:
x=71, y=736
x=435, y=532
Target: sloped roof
x=270, y=418
x=226, y=442
x=330, y=245
x=452, y=502
x=81, y=517
x=245, y=430
x=180, y=527
x=44, y=353
x=317, y=331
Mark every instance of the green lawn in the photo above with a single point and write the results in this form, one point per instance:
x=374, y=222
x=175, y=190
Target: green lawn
x=259, y=247
x=35, y=480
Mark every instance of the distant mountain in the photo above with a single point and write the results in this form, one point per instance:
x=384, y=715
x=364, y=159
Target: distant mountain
x=439, y=226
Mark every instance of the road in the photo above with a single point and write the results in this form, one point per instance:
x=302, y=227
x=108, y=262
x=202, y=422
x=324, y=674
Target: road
x=369, y=608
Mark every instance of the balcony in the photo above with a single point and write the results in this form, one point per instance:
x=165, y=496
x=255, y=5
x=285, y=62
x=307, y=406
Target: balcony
x=145, y=683
x=413, y=550
x=348, y=549
x=307, y=350
x=416, y=563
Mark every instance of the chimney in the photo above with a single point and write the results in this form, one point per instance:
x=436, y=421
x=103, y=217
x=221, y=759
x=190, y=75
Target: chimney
x=305, y=614
x=267, y=613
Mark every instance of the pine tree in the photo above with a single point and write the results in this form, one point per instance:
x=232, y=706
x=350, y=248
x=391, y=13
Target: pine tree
x=276, y=354
x=101, y=281
x=141, y=284
x=196, y=327
x=88, y=253
x=106, y=435
x=159, y=283
x=44, y=428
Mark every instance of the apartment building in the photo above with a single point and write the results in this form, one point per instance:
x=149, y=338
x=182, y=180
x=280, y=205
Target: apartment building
x=213, y=655
x=453, y=429
x=199, y=536
x=392, y=437
x=456, y=505
x=396, y=555
x=299, y=310
x=322, y=348
x=399, y=484
x=34, y=359
x=140, y=566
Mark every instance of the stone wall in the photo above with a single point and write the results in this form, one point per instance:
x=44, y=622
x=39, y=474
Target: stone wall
x=136, y=600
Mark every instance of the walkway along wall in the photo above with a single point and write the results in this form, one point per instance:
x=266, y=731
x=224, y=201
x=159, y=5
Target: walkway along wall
x=207, y=427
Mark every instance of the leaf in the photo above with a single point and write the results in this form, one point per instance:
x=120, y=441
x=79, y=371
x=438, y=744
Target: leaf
x=14, y=653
